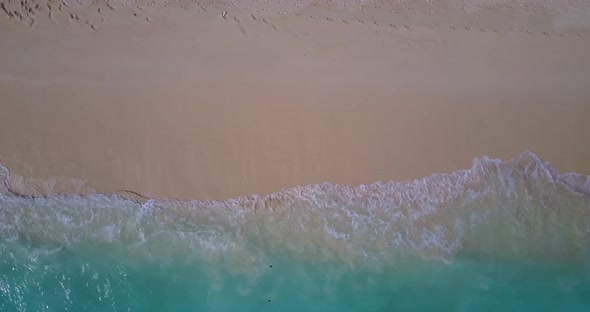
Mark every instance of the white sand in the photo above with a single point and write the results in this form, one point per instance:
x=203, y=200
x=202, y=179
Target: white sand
x=171, y=99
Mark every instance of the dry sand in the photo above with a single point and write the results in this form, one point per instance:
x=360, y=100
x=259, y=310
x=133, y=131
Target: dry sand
x=179, y=99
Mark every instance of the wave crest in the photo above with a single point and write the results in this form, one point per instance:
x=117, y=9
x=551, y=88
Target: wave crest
x=520, y=208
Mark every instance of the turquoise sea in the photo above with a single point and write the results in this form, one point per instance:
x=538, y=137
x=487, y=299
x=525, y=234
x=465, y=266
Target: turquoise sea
x=501, y=236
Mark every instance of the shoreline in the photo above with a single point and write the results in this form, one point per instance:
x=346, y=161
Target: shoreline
x=441, y=216
x=573, y=181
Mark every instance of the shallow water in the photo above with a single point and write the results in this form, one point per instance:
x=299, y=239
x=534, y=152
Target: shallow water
x=500, y=236
x=110, y=277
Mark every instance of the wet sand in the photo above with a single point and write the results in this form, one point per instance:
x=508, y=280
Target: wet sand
x=184, y=101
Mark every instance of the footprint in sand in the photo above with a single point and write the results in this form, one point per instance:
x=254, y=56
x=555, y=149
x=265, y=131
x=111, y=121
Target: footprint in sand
x=5, y=9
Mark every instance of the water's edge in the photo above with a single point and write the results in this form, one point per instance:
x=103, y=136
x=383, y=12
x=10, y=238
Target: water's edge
x=501, y=236
x=576, y=182
x=517, y=208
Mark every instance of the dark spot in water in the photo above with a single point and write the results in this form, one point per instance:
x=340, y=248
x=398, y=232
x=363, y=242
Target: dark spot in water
x=270, y=266
x=268, y=300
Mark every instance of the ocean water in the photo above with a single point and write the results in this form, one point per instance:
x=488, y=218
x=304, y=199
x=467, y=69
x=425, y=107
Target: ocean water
x=502, y=236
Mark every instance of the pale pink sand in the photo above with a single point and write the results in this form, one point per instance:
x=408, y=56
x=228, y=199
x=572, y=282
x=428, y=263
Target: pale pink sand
x=182, y=102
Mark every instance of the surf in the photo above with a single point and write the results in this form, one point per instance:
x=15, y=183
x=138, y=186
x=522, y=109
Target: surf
x=517, y=224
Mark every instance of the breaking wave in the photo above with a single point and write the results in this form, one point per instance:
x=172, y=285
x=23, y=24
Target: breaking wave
x=520, y=208
x=512, y=235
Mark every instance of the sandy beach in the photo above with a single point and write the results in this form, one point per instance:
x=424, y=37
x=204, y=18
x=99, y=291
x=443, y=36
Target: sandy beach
x=220, y=99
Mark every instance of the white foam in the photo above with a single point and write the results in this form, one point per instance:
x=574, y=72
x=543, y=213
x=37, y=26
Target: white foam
x=432, y=217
